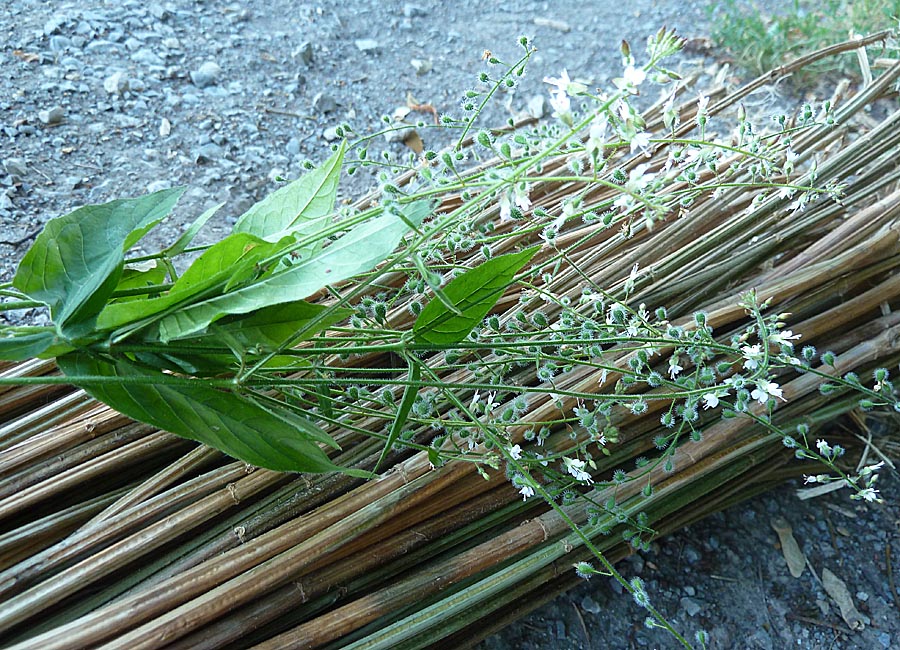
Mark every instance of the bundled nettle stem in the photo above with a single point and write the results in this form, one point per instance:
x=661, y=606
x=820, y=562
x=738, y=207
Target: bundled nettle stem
x=485, y=336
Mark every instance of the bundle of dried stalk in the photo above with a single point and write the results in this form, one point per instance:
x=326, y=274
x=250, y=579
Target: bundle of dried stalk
x=115, y=535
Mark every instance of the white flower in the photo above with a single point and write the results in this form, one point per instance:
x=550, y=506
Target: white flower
x=753, y=354
x=869, y=494
x=505, y=207
x=515, y=452
x=634, y=76
x=521, y=196
x=637, y=181
x=564, y=85
x=784, y=337
x=710, y=401
x=526, y=491
x=764, y=390
x=702, y=103
x=575, y=467
x=674, y=368
x=597, y=135
x=641, y=141
x=868, y=469
x=823, y=447
x=562, y=108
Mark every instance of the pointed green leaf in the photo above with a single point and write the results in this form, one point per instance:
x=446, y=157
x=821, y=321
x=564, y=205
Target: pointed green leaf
x=20, y=343
x=299, y=207
x=270, y=327
x=76, y=254
x=233, y=258
x=406, y=404
x=357, y=252
x=226, y=421
x=473, y=293
x=188, y=235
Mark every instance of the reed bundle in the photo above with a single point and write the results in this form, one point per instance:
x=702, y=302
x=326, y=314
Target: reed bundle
x=117, y=535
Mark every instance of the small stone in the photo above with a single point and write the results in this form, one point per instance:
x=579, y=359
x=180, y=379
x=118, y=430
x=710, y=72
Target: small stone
x=537, y=106
x=884, y=639
x=590, y=605
x=53, y=116
x=156, y=186
x=53, y=25
x=413, y=11
x=690, y=606
x=147, y=57
x=206, y=75
x=160, y=12
x=862, y=595
x=116, y=83
x=59, y=43
x=165, y=127
x=324, y=103
x=421, y=66
x=367, y=45
x=5, y=202
x=305, y=52
x=293, y=146
x=207, y=153
x=330, y=134
x=690, y=591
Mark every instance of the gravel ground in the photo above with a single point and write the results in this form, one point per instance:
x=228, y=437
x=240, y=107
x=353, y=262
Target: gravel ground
x=100, y=100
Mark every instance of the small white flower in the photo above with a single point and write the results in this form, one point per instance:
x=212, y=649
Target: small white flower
x=764, y=390
x=564, y=85
x=868, y=469
x=784, y=337
x=753, y=354
x=811, y=479
x=562, y=107
x=641, y=141
x=702, y=104
x=505, y=207
x=637, y=181
x=515, y=452
x=575, y=467
x=823, y=447
x=710, y=401
x=674, y=368
x=597, y=135
x=526, y=491
x=869, y=494
x=634, y=76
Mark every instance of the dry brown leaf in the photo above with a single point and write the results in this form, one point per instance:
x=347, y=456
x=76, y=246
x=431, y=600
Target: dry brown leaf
x=839, y=593
x=794, y=557
x=27, y=57
x=414, y=142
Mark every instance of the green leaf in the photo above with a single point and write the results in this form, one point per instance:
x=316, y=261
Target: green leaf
x=406, y=404
x=141, y=276
x=20, y=343
x=270, y=327
x=76, y=255
x=300, y=207
x=357, y=252
x=232, y=259
x=188, y=235
x=474, y=293
x=226, y=421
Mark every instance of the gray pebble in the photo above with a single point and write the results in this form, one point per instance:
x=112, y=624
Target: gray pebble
x=590, y=605
x=412, y=11
x=59, y=43
x=156, y=186
x=206, y=75
x=324, y=103
x=207, y=153
x=54, y=115
x=366, y=45
x=884, y=639
x=116, y=83
x=147, y=57
x=53, y=25
x=690, y=606
x=293, y=146
x=330, y=134
x=421, y=66
x=15, y=167
x=689, y=590
x=5, y=202
x=305, y=52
